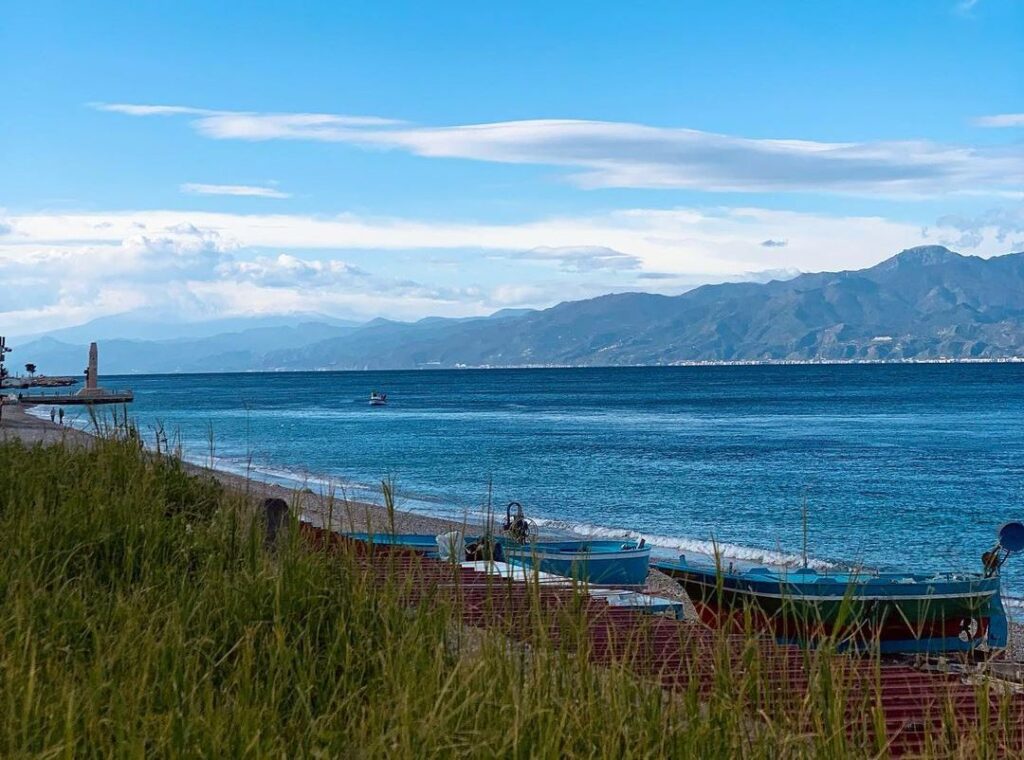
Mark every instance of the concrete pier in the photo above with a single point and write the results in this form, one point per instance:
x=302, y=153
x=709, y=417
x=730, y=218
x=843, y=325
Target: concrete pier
x=92, y=393
x=99, y=396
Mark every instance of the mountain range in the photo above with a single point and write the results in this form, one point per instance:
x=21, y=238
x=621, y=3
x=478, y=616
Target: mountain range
x=923, y=303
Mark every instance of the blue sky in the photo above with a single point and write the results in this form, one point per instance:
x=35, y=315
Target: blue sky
x=406, y=159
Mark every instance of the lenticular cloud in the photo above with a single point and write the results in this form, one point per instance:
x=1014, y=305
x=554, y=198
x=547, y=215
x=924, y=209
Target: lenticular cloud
x=616, y=154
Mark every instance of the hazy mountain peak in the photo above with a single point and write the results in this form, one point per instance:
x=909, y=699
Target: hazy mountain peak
x=506, y=313
x=923, y=255
x=145, y=325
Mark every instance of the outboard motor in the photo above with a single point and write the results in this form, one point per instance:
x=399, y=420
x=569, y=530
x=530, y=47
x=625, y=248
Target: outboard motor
x=1011, y=540
x=517, y=527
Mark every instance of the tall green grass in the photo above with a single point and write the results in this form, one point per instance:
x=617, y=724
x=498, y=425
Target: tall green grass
x=141, y=616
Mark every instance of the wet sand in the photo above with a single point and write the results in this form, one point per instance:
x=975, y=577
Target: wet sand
x=15, y=422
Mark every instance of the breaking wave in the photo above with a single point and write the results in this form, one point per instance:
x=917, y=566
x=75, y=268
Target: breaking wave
x=685, y=545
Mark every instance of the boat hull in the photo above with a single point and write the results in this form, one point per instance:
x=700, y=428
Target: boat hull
x=595, y=562
x=944, y=616
x=408, y=543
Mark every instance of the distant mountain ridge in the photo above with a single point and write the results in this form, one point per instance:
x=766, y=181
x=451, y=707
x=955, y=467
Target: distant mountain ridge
x=923, y=303
x=146, y=325
x=239, y=351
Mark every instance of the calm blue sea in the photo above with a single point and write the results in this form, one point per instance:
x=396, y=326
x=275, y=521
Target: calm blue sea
x=913, y=465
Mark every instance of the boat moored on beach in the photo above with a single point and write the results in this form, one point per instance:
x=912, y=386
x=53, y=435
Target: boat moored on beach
x=600, y=563
x=597, y=562
x=897, y=612
x=424, y=544
x=603, y=563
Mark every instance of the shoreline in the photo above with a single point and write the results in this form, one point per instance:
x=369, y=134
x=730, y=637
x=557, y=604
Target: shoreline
x=347, y=514
x=311, y=492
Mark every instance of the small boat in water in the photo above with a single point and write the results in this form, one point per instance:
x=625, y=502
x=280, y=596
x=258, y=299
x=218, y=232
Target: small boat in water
x=897, y=612
x=378, y=399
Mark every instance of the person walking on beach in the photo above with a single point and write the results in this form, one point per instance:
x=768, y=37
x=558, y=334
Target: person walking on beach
x=53, y=414
x=61, y=415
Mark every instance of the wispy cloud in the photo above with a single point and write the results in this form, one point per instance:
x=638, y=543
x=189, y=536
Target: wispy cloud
x=279, y=123
x=964, y=7
x=1000, y=120
x=582, y=258
x=285, y=270
x=1002, y=225
x=131, y=109
x=256, y=191
x=616, y=154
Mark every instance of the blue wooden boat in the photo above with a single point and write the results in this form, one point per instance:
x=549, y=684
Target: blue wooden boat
x=424, y=544
x=895, y=612
x=610, y=563
x=888, y=611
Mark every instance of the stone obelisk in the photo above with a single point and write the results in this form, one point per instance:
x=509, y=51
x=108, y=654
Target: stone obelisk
x=91, y=371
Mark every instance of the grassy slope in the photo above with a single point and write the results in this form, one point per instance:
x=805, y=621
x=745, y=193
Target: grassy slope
x=140, y=616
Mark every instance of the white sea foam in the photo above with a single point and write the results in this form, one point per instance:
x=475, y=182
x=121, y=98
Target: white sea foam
x=285, y=476
x=677, y=544
x=687, y=545
x=1014, y=606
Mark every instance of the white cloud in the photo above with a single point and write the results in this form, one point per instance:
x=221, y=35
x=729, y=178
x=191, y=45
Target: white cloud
x=72, y=304
x=198, y=188
x=218, y=264
x=1001, y=225
x=706, y=242
x=405, y=300
x=105, y=253
x=285, y=270
x=235, y=121
x=709, y=242
x=181, y=245
x=1000, y=120
x=144, y=110
x=582, y=258
x=613, y=154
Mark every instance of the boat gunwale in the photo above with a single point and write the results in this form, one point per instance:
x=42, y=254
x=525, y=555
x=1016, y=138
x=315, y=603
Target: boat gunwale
x=708, y=578
x=584, y=556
